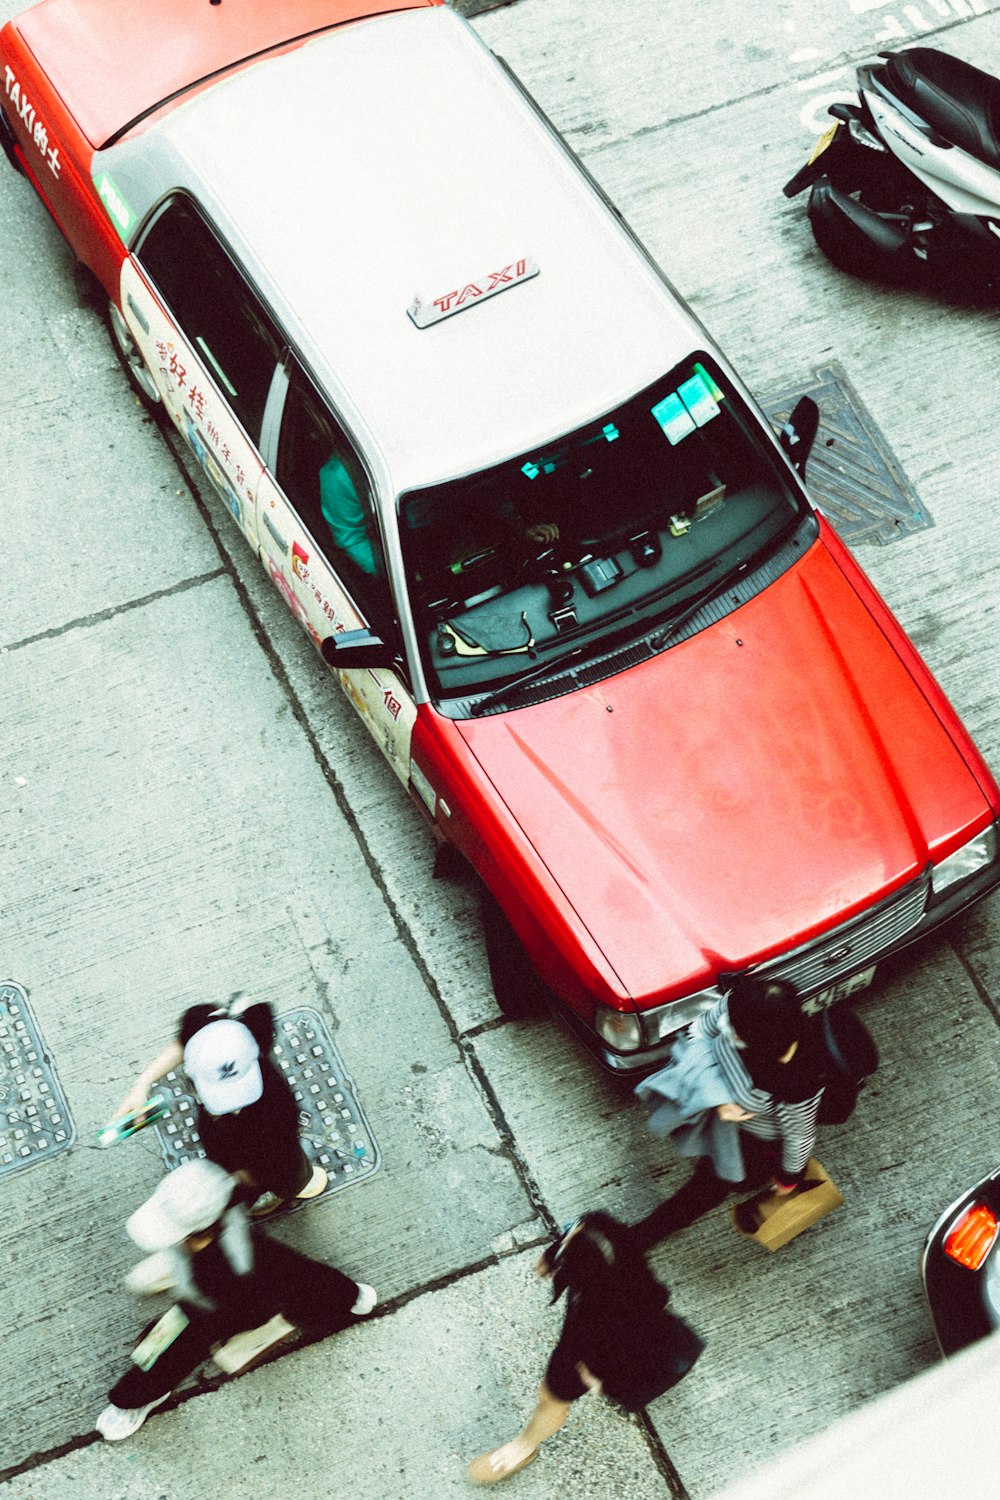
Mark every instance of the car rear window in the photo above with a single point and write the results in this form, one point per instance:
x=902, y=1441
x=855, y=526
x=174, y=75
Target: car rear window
x=215, y=309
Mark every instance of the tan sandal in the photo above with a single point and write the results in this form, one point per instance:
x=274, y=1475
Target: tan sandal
x=488, y=1468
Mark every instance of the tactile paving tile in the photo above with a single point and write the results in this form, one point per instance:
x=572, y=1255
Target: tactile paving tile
x=852, y=473
x=35, y=1122
x=331, y=1118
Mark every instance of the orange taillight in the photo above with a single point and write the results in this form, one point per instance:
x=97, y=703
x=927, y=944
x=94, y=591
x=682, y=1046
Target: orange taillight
x=972, y=1236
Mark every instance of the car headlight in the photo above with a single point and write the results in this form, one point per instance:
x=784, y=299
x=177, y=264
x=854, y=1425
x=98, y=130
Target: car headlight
x=628, y=1031
x=975, y=855
x=621, y=1029
x=666, y=1019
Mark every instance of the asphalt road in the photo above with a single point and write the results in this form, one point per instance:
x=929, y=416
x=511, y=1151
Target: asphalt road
x=188, y=808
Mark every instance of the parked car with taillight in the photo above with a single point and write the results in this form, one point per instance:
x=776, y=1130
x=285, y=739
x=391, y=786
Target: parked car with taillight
x=960, y=1267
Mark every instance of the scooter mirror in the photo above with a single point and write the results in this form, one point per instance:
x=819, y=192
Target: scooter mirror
x=799, y=433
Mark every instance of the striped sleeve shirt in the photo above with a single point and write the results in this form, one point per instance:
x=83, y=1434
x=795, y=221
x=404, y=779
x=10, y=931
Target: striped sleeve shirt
x=773, y=1119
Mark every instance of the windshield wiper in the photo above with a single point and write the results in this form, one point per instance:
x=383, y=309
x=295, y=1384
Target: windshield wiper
x=506, y=688
x=657, y=639
x=660, y=639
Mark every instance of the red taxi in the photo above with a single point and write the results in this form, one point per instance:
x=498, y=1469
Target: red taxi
x=522, y=505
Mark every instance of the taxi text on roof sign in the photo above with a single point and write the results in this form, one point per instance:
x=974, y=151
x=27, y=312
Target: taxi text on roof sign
x=427, y=310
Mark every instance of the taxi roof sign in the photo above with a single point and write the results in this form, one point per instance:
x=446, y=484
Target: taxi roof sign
x=427, y=310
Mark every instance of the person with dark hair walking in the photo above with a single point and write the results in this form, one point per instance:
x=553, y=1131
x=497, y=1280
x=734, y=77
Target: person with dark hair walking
x=617, y=1339
x=741, y=1093
x=231, y=1280
x=248, y=1119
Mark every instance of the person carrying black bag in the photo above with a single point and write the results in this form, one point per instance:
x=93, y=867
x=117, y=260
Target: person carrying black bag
x=742, y=1092
x=618, y=1337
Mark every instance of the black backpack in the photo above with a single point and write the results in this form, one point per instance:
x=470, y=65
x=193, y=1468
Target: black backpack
x=848, y=1058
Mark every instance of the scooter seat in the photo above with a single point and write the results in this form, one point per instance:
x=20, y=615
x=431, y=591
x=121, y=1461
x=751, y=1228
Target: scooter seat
x=960, y=102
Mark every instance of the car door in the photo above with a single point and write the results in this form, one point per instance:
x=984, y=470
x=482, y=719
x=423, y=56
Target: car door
x=210, y=346
x=320, y=544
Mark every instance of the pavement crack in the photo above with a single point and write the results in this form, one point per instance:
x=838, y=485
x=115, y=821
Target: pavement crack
x=842, y=63
x=202, y=1384
x=675, y=1484
x=974, y=979
x=84, y=622
x=406, y=935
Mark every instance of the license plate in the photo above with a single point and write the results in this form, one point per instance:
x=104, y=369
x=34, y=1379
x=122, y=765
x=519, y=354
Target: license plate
x=840, y=991
x=825, y=140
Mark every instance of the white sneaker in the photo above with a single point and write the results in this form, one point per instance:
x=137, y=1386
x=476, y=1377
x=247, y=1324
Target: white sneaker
x=366, y=1300
x=154, y=1274
x=117, y=1422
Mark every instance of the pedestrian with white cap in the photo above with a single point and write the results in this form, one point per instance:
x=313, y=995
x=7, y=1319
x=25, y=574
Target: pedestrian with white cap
x=231, y=1279
x=248, y=1118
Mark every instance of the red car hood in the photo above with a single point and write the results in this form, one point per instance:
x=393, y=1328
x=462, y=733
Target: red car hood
x=746, y=789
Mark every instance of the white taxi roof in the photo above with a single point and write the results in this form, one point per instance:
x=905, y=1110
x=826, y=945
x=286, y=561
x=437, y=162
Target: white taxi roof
x=391, y=159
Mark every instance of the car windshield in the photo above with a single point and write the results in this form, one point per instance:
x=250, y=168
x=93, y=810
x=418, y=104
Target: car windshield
x=598, y=534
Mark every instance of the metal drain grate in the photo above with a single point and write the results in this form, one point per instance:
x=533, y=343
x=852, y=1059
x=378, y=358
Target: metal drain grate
x=852, y=473
x=35, y=1122
x=331, y=1118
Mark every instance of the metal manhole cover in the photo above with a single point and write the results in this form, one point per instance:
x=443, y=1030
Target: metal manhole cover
x=852, y=473
x=331, y=1118
x=35, y=1122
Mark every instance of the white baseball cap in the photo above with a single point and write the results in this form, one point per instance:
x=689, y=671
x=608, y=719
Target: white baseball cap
x=221, y=1061
x=189, y=1199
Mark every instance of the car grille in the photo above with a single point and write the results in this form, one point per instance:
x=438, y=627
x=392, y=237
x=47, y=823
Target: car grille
x=851, y=946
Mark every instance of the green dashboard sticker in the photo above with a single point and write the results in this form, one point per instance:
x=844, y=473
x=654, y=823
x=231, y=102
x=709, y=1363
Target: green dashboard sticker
x=114, y=201
x=699, y=399
x=673, y=417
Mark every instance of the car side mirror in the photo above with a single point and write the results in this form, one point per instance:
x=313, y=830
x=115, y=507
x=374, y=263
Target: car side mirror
x=799, y=433
x=356, y=648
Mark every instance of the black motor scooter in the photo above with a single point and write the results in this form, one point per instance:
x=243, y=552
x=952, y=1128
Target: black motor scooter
x=906, y=183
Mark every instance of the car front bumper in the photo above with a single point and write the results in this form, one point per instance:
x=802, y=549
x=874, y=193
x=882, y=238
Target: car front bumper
x=935, y=913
